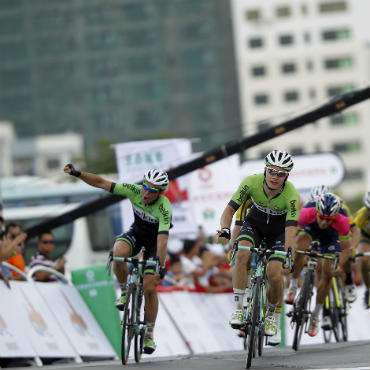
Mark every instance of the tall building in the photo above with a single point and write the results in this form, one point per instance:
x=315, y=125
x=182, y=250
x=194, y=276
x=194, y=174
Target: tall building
x=293, y=56
x=122, y=69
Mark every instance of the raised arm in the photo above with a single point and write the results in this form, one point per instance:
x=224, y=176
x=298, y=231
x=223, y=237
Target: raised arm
x=90, y=178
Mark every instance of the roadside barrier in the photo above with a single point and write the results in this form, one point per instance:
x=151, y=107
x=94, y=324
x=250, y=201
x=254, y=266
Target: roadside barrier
x=51, y=320
x=48, y=320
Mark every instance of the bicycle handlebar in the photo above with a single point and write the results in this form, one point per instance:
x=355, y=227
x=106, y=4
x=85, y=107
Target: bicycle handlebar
x=320, y=255
x=261, y=251
x=363, y=254
x=134, y=260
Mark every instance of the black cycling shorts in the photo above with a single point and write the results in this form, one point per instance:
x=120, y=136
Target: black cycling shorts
x=251, y=232
x=132, y=238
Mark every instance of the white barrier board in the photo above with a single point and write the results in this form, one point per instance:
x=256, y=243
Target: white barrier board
x=13, y=339
x=215, y=310
x=190, y=321
x=77, y=322
x=39, y=324
x=168, y=340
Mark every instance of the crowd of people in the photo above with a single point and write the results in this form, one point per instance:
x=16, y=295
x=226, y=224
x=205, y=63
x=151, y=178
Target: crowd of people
x=12, y=244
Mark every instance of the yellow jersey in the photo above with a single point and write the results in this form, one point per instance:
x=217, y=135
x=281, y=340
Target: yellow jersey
x=242, y=212
x=362, y=220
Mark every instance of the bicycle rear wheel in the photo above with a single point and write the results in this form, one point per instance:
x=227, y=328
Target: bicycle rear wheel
x=254, y=323
x=301, y=310
x=128, y=324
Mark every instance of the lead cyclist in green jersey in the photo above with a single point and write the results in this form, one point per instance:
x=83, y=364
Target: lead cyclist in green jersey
x=273, y=216
x=152, y=211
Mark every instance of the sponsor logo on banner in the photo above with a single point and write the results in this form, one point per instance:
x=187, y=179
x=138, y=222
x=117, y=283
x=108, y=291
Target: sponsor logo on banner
x=209, y=214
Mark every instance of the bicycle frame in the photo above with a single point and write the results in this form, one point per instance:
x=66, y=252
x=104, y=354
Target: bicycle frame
x=254, y=312
x=132, y=325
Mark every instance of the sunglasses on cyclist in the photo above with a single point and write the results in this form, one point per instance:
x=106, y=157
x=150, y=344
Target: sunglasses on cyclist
x=151, y=190
x=274, y=172
x=328, y=218
x=47, y=241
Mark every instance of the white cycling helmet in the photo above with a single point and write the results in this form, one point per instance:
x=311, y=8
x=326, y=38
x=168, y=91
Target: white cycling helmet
x=279, y=159
x=367, y=199
x=317, y=190
x=158, y=178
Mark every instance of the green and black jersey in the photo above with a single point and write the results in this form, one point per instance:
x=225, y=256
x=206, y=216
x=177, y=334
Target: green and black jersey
x=274, y=214
x=151, y=219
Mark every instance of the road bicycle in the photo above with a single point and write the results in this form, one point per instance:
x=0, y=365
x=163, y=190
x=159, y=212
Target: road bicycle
x=253, y=324
x=133, y=323
x=301, y=312
x=336, y=307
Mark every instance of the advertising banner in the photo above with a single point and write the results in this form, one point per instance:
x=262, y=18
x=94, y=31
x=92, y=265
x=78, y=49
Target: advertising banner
x=38, y=323
x=77, y=321
x=211, y=189
x=97, y=290
x=14, y=342
x=135, y=158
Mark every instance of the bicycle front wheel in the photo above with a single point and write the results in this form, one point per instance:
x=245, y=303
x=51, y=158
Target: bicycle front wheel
x=301, y=309
x=254, y=323
x=342, y=310
x=334, y=315
x=128, y=324
x=139, y=330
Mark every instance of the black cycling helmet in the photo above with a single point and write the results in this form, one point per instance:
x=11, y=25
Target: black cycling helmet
x=328, y=205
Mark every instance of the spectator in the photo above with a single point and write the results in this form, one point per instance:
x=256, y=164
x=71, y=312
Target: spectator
x=174, y=275
x=12, y=231
x=43, y=258
x=192, y=265
x=214, y=280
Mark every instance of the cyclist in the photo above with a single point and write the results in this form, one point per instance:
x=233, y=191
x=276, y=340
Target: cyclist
x=326, y=221
x=152, y=211
x=349, y=287
x=241, y=215
x=273, y=216
x=362, y=220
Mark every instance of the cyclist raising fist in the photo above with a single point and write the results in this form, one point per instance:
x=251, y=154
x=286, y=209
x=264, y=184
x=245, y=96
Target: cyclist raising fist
x=152, y=211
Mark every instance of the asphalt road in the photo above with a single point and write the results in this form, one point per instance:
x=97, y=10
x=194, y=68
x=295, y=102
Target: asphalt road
x=351, y=355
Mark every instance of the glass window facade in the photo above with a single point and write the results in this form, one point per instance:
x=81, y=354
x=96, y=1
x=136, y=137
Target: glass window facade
x=287, y=68
x=258, y=71
x=109, y=69
x=336, y=34
x=255, y=43
x=286, y=40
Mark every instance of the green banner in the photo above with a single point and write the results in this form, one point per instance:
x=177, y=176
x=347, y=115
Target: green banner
x=97, y=290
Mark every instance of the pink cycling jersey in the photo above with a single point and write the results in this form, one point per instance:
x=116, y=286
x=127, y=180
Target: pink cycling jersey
x=308, y=216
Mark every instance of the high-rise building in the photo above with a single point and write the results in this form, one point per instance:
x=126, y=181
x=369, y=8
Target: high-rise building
x=293, y=56
x=122, y=69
